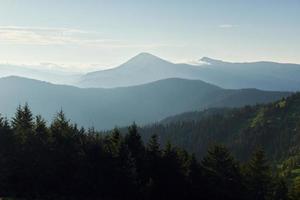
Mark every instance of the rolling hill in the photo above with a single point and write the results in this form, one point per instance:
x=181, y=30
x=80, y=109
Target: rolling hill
x=106, y=108
x=275, y=127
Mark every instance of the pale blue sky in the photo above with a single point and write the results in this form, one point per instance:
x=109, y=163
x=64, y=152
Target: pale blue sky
x=89, y=33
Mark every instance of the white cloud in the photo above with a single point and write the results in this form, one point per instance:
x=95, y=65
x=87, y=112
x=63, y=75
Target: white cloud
x=51, y=36
x=227, y=26
x=42, y=36
x=194, y=62
x=69, y=67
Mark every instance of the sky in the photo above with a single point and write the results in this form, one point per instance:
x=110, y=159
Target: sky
x=97, y=34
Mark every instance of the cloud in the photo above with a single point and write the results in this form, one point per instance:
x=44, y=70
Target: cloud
x=67, y=67
x=51, y=36
x=227, y=26
x=44, y=36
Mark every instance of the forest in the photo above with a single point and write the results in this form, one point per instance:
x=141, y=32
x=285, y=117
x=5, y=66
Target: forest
x=274, y=126
x=63, y=161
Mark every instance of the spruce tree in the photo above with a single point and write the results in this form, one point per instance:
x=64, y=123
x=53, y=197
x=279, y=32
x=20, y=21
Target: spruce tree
x=134, y=141
x=153, y=146
x=196, y=180
x=222, y=173
x=136, y=148
x=153, y=163
x=23, y=119
x=281, y=191
x=295, y=189
x=259, y=176
x=172, y=177
x=60, y=123
x=115, y=141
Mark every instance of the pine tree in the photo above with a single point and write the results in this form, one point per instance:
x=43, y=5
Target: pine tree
x=116, y=136
x=172, y=182
x=153, y=162
x=136, y=148
x=196, y=180
x=134, y=141
x=195, y=171
x=153, y=146
x=40, y=128
x=259, y=176
x=115, y=141
x=23, y=119
x=281, y=191
x=295, y=189
x=4, y=124
x=222, y=173
x=60, y=123
x=62, y=130
x=127, y=176
x=6, y=154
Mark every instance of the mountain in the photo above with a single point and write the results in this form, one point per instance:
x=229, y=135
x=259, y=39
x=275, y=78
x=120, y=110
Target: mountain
x=262, y=75
x=275, y=127
x=46, y=72
x=145, y=68
x=106, y=108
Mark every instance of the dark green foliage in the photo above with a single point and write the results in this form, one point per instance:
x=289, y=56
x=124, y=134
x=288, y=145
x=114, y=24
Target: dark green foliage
x=295, y=189
x=281, y=191
x=222, y=171
x=274, y=126
x=61, y=161
x=23, y=118
x=259, y=177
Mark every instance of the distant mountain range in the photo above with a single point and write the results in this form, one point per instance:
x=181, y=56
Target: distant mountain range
x=145, y=68
x=141, y=69
x=106, y=108
x=45, y=72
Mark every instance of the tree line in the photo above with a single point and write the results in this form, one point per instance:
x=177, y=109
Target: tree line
x=64, y=161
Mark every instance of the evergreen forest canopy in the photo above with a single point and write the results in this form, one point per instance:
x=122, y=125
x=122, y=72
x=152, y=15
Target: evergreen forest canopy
x=62, y=161
x=274, y=126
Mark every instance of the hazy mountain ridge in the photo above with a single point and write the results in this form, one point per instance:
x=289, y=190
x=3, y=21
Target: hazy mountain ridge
x=106, y=108
x=44, y=72
x=145, y=68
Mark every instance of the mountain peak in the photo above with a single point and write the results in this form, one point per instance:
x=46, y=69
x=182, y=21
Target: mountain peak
x=145, y=58
x=211, y=60
x=145, y=54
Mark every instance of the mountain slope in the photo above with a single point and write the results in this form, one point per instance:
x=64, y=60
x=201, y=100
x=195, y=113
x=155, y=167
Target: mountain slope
x=145, y=68
x=274, y=126
x=262, y=75
x=105, y=108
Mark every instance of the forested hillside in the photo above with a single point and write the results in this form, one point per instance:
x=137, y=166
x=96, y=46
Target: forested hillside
x=149, y=100
x=62, y=161
x=275, y=127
